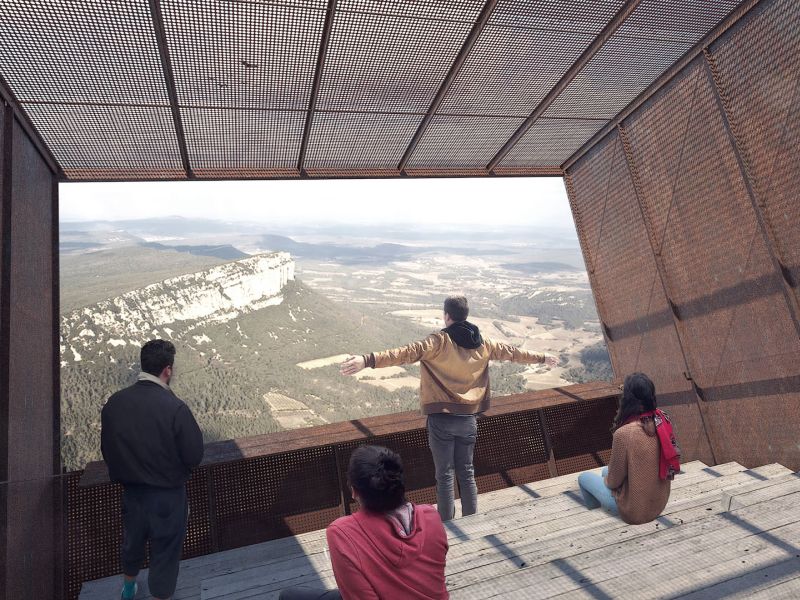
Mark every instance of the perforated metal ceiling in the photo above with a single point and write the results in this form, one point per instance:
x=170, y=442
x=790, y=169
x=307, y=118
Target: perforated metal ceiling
x=170, y=89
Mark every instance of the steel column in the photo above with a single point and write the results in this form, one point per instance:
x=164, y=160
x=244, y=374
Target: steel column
x=610, y=29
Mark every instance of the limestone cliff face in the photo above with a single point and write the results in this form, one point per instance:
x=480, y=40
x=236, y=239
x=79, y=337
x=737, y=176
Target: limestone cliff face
x=187, y=302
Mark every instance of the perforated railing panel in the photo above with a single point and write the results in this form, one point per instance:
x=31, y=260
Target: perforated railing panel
x=254, y=498
x=579, y=434
x=280, y=493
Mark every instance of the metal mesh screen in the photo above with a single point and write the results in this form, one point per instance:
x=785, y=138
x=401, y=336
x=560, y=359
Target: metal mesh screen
x=359, y=140
x=389, y=56
x=255, y=498
x=243, y=54
x=461, y=142
x=92, y=71
x=650, y=40
x=110, y=142
x=551, y=141
x=226, y=140
x=99, y=51
x=497, y=78
x=621, y=70
x=758, y=66
x=725, y=122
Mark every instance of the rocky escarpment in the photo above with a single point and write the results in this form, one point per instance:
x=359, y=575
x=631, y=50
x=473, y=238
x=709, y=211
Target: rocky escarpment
x=181, y=304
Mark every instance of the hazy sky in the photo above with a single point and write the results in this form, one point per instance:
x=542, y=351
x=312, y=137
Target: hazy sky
x=478, y=202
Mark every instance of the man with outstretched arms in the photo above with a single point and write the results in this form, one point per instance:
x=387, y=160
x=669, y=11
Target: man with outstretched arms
x=454, y=388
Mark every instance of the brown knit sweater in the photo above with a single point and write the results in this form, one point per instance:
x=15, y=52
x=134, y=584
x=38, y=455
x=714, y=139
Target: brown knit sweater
x=633, y=473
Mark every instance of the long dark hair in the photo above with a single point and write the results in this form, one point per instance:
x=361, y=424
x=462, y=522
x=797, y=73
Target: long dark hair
x=638, y=396
x=376, y=473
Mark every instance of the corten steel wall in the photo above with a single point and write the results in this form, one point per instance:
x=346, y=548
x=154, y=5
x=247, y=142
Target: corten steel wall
x=267, y=487
x=29, y=409
x=689, y=220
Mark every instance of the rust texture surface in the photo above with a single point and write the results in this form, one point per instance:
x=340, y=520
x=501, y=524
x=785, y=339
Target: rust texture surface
x=272, y=486
x=178, y=89
x=690, y=225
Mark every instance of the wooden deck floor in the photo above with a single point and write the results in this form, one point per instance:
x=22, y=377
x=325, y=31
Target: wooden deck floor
x=727, y=532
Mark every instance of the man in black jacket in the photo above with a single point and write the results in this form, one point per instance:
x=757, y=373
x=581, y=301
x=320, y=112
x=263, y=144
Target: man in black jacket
x=151, y=442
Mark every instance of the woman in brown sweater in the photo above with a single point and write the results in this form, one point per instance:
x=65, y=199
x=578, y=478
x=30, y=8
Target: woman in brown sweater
x=631, y=485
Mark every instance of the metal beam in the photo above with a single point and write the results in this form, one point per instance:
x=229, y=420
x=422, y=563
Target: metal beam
x=455, y=69
x=312, y=103
x=723, y=26
x=610, y=29
x=169, y=80
x=10, y=100
x=662, y=272
x=764, y=227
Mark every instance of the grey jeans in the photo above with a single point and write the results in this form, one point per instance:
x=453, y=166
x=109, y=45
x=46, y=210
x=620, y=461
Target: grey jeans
x=452, y=441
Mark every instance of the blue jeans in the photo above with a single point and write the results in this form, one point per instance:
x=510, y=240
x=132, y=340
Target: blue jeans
x=595, y=493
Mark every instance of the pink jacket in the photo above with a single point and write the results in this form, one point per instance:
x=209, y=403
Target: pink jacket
x=374, y=559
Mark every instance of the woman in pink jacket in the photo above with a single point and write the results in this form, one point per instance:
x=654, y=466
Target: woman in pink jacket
x=389, y=549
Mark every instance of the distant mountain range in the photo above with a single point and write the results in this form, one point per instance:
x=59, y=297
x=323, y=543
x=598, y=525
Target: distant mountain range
x=224, y=251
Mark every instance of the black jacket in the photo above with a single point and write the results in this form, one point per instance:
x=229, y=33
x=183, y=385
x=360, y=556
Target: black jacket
x=149, y=437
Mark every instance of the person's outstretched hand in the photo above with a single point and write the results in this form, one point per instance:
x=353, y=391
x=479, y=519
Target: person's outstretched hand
x=551, y=361
x=352, y=365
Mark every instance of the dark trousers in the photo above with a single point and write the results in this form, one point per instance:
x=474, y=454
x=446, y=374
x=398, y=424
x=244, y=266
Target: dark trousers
x=308, y=593
x=158, y=516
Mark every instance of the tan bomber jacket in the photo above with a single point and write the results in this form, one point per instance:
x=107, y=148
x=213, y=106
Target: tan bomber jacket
x=452, y=379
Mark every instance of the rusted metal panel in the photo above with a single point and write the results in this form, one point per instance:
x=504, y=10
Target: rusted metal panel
x=705, y=167
x=631, y=299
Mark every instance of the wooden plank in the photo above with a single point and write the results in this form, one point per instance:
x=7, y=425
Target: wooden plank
x=554, y=512
x=243, y=558
x=571, y=535
x=617, y=561
x=737, y=498
x=236, y=561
